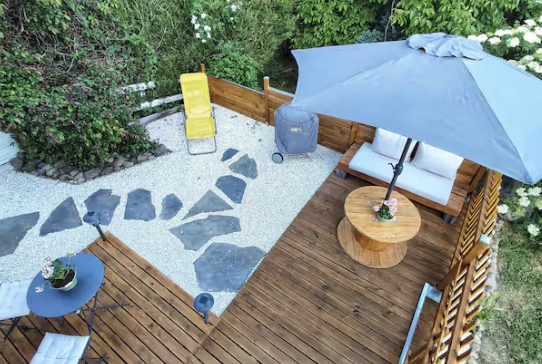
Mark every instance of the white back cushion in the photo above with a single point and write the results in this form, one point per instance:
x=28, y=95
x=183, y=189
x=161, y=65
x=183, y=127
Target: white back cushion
x=390, y=144
x=437, y=161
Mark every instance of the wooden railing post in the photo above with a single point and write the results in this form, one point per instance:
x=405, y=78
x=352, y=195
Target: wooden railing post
x=473, y=253
x=266, y=94
x=353, y=133
x=202, y=67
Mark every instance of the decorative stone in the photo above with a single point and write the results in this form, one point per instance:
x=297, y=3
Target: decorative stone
x=51, y=172
x=64, y=178
x=226, y=267
x=110, y=160
x=59, y=164
x=147, y=154
x=142, y=158
x=14, y=229
x=74, y=173
x=64, y=216
x=128, y=164
x=119, y=161
x=210, y=202
x=47, y=167
x=116, y=169
x=93, y=173
x=17, y=163
x=245, y=166
x=139, y=206
x=228, y=154
x=151, y=158
x=171, y=205
x=161, y=150
x=41, y=171
x=232, y=187
x=104, y=202
x=196, y=234
x=107, y=170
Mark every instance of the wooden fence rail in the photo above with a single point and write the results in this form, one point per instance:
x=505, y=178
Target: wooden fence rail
x=463, y=287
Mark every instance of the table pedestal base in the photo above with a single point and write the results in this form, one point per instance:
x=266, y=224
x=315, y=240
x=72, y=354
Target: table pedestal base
x=366, y=251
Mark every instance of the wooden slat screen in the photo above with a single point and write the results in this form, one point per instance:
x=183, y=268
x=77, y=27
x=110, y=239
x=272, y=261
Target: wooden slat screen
x=463, y=286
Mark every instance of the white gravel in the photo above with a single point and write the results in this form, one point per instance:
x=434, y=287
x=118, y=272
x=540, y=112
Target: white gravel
x=270, y=203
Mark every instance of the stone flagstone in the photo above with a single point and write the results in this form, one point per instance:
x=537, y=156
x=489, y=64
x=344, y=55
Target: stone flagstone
x=210, y=202
x=139, y=206
x=196, y=234
x=245, y=166
x=232, y=187
x=13, y=230
x=226, y=267
x=228, y=154
x=104, y=202
x=64, y=216
x=171, y=205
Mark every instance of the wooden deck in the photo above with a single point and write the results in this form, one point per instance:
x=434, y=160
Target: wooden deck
x=308, y=302
x=162, y=327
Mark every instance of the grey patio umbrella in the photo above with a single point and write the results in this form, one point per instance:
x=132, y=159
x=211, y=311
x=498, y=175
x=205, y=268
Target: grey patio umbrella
x=436, y=88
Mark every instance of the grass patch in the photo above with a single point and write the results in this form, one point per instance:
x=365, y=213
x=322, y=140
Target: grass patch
x=513, y=324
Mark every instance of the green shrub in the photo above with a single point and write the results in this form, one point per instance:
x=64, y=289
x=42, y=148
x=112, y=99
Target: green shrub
x=82, y=124
x=232, y=63
x=370, y=36
x=323, y=22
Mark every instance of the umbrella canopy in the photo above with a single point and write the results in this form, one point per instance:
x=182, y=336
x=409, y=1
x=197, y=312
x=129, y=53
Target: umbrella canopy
x=440, y=89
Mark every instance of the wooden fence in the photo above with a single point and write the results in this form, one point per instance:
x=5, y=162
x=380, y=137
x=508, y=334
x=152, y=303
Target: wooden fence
x=463, y=287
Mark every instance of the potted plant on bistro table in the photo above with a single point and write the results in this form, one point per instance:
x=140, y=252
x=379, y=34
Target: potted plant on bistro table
x=387, y=211
x=59, y=273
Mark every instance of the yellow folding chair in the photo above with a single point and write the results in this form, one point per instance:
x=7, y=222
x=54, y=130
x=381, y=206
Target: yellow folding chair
x=198, y=114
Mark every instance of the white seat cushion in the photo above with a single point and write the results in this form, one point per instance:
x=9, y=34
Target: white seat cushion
x=60, y=349
x=418, y=181
x=437, y=161
x=13, y=299
x=391, y=144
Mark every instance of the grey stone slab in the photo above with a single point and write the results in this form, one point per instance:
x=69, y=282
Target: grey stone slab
x=13, y=230
x=232, y=187
x=226, y=267
x=228, y=154
x=104, y=202
x=245, y=166
x=196, y=234
x=64, y=216
x=210, y=202
x=171, y=205
x=139, y=206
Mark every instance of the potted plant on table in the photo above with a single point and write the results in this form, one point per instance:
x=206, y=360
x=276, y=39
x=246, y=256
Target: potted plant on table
x=387, y=211
x=59, y=274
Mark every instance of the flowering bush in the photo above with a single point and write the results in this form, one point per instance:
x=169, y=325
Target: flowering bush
x=388, y=209
x=521, y=45
x=526, y=203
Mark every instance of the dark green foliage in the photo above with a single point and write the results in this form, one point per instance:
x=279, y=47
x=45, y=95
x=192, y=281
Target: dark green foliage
x=370, y=36
x=232, y=63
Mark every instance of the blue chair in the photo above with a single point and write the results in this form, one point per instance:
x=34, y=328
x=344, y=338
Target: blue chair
x=13, y=303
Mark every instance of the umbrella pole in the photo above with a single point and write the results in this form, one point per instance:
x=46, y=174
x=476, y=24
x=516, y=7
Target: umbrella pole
x=398, y=168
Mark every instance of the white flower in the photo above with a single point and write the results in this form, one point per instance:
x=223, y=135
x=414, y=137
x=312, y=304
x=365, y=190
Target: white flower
x=473, y=37
x=534, y=191
x=196, y=26
x=494, y=40
x=538, y=69
x=521, y=192
x=528, y=58
x=538, y=204
x=208, y=35
x=531, y=37
x=482, y=38
x=499, y=32
x=533, y=230
x=540, y=19
x=203, y=41
x=203, y=15
x=231, y=17
x=539, y=51
x=522, y=67
x=198, y=35
x=533, y=65
x=522, y=29
x=511, y=61
x=227, y=1
x=207, y=28
x=524, y=201
x=514, y=42
x=530, y=22
x=502, y=209
x=233, y=7
x=194, y=19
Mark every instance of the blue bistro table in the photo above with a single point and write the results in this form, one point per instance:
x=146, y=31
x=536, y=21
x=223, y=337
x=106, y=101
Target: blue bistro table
x=55, y=303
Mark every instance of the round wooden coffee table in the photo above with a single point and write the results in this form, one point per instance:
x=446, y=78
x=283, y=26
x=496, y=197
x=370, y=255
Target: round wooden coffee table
x=371, y=242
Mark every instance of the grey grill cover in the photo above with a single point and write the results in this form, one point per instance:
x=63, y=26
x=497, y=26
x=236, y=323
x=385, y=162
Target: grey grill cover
x=296, y=130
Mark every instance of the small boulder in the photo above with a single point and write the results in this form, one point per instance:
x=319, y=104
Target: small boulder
x=93, y=173
x=47, y=167
x=142, y=158
x=161, y=150
x=64, y=178
x=107, y=170
x=74, y=172
x=59, y=164
x=51, y=172
x=119, y=161
x=110, y=160
x=128, y=164
x=17, y=163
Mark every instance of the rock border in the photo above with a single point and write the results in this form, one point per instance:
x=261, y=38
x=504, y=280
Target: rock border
x=64, y=173
x=491, y=287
